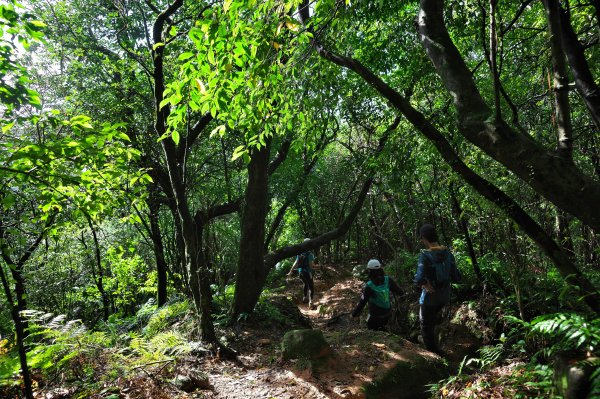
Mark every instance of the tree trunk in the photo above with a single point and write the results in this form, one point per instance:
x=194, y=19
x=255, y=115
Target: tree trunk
x=563, y=233
x=493, y=59
x=562, y=108
x=251, y=273
x=20, y=332
x=191, y=231
x=464, y=226
x=159, y=253
x=406, y=241
x=584, y=81
x=100, y=274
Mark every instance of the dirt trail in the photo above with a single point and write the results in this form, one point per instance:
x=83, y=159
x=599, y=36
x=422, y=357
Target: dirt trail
x=360, y=355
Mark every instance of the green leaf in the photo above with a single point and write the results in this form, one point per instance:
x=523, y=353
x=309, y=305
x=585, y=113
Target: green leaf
x=38, y=24
x=175, y=137
x=238, y=152
x=218, y=130
x=8, y=126
x=122, y=136
x=185, y=56
x=8, y=201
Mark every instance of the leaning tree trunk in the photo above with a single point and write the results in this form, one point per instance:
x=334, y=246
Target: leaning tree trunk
x=555, y=178
x=271, y=259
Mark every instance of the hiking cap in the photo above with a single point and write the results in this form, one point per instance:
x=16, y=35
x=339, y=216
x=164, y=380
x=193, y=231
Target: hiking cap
x=373, y=264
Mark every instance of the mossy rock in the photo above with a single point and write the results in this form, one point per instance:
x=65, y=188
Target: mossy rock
x=408, y=378
x=191, y=381
x=292, y=316
x=304, y=344
x=572, y=373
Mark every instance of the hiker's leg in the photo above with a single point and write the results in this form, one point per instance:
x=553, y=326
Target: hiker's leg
x=311, y=286
x=372, y=323
x=377, y=323
x=305, y=279
x=427, y=316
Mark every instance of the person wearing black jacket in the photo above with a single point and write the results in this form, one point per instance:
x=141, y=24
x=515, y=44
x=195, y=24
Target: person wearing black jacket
x=377, y=293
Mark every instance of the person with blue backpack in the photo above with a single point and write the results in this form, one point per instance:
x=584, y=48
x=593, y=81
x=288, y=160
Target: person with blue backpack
x=436, y=271
x=377, y=294
x=304, y=264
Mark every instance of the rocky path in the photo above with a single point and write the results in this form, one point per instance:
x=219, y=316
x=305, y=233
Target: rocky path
x=360, y=356
x=362, y=359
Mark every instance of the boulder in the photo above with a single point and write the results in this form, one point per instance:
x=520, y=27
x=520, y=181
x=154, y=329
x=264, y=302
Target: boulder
x=291, y=315
x=572, y=374
x=304, y=344
x=191, y=381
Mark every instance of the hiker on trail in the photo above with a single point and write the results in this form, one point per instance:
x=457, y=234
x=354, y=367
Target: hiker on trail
x=436, y=271
x=305, y=263
x=377, y=293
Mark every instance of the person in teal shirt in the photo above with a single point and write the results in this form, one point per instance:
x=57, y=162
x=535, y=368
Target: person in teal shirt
x=377, y=294
x=305, y=263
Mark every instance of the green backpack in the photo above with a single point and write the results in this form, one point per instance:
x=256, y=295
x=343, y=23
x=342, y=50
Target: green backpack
x=382, y=293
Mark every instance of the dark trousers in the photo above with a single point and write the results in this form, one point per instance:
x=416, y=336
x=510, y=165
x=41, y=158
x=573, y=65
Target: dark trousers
x=428, y=317
x=377, y=323
x=309, y=287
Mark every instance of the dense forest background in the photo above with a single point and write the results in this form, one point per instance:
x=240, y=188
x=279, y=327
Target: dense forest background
x=161, y=158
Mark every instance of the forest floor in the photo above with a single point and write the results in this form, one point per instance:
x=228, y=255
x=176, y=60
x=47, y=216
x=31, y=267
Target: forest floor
x=360, y=355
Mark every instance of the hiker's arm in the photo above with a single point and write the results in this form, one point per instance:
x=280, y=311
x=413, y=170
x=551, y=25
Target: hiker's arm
x=293, y=266
x=394, y=287
x=364, y=298
x=420, y=279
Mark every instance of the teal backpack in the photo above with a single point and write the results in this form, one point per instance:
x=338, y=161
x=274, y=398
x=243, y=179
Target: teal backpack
x=438, y=273
x=304, y=262
x=382, y=293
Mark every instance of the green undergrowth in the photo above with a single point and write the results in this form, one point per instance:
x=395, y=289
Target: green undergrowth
x=521, y=364
x=67, y=352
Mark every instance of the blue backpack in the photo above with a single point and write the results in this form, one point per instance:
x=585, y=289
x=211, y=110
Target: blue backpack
x=438, y=273
x=382, y=293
